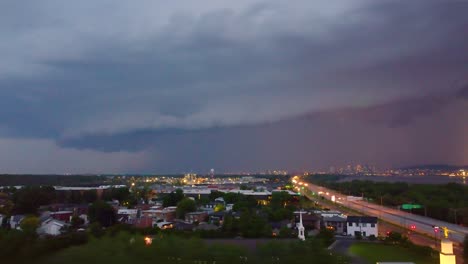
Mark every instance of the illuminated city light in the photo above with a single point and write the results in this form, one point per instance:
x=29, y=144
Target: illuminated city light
x=148, y=241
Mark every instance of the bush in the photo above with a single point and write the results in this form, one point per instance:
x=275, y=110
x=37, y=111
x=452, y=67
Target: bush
x=396, y=238
x=372, y=238
x=326, y=236
x=358, y=236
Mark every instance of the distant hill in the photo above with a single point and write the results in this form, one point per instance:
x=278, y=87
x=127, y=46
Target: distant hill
x=444, y=167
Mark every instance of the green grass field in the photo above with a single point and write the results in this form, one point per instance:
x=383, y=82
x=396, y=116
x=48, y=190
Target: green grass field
x=130, y=248
x=391, y=253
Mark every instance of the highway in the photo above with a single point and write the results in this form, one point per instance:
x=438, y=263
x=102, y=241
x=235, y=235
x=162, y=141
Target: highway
x=424, y=225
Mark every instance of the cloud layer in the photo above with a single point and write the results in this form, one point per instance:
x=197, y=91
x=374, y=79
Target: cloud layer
x=81, y=75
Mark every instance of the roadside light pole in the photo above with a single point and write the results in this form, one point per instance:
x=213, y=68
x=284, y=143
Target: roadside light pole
x=436, y=230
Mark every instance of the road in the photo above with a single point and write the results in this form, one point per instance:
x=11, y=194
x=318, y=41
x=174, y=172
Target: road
x=401, y=220
x=424, y=225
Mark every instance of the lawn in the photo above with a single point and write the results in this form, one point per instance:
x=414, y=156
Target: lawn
x=373, y=252
x=130, y=248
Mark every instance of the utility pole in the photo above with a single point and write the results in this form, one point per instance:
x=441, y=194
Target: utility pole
x=381, y=206
x=455, y=214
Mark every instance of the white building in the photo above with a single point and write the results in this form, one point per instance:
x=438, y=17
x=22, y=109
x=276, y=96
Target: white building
x=324, y=213
x=15, y=221
x=51, y=227
x=131, y=213
x=364, y=225
x=229, y=207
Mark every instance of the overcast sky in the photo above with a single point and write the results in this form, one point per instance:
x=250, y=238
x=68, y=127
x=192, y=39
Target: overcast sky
x=97, y=86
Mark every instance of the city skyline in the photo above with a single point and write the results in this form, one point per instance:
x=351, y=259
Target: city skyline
x=243, y=86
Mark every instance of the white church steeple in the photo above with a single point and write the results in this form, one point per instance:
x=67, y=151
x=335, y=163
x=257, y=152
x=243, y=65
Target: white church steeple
x=300, y=228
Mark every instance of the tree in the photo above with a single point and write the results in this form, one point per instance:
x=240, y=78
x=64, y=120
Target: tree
x=27, y=200
x=103, y=213
x=251, y=225
x=187, y=205
x=215, y=194
x=228, y=224
x=96, y=229
x=285, y=232
x=173, y=198
x=29, y=224
x=279, y=200
x=396, y=238
x=244, y=202
x=120, y=194
x=231, y=197
x=76, y=222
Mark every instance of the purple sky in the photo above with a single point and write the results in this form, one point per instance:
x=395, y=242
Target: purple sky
x=156, y=86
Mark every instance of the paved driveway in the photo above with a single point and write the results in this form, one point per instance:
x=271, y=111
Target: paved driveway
x=342, y=245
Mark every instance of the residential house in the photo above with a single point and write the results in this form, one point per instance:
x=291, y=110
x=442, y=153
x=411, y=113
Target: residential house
x=63, y=216
x=15, y=221
x=196, y=217
x=335, y=223
x=143, y=207
x=51, y=227
x=127, y=216
x=143, y=222
x=325, y=213
x=364, y=225
x=209, y=206
x=167, y=214
x=217, y=217
x=310, y=221
x=153, y=213
x=229, y=207
x=220, y=200
x=183, y=226
x=85, y=218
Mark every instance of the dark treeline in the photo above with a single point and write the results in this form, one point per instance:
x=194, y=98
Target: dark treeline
x=448, y=202
x=62, y=180
x=29, y=199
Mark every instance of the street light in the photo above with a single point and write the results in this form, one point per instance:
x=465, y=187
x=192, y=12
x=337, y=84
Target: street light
x=436, y=230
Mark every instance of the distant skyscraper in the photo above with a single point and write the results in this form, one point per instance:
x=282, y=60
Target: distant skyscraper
x=358, y=168
x=212, y=173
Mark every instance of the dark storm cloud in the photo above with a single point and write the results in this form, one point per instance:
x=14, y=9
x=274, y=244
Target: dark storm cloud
x=402, y=113
x=317, y=140
x=463, y=93
x=148, y=74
